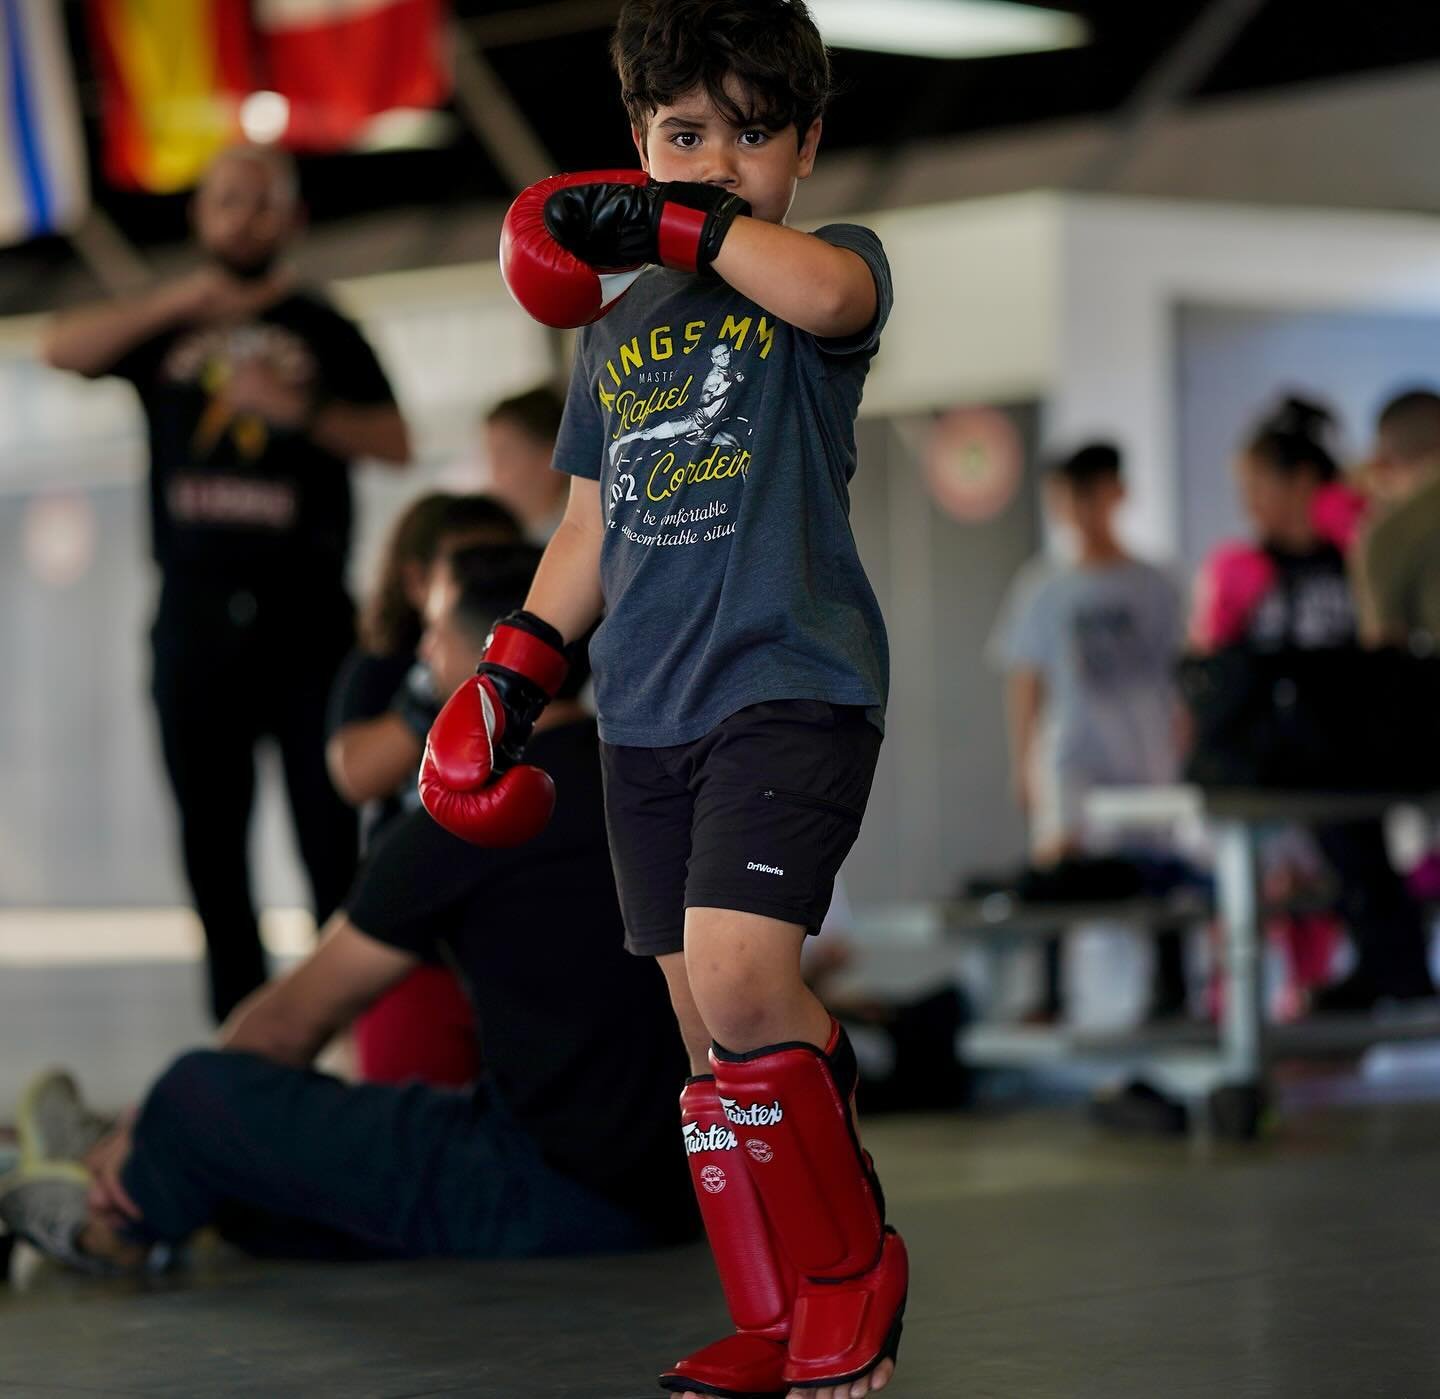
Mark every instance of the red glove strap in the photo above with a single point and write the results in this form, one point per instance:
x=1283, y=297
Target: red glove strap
x=528, y=656
x=678, y=237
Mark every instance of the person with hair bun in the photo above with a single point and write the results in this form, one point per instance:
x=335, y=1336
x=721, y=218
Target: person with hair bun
x=1289, y=589
x=1287, y=586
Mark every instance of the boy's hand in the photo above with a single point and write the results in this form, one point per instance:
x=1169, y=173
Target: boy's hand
x=610, y=225
x=471, y=778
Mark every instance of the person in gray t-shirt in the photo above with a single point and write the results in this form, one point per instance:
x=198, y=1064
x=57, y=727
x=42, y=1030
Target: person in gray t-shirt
x=1089, y=649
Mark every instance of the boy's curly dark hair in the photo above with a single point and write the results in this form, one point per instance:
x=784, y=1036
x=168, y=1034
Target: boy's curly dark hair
x=664, y=48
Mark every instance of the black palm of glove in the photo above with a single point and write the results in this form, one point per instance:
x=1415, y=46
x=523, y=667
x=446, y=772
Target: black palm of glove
x=615, y=225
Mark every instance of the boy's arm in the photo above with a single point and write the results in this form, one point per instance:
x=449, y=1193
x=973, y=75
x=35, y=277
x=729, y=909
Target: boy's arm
x=566, y=591
x=292, y=1019
x=1024, y=703
x=799, y=278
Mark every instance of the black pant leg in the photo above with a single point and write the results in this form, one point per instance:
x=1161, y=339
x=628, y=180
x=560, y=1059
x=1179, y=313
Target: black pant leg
x=296, y=1163
x=207, y=734
x=1386, y=924
x=327, y=828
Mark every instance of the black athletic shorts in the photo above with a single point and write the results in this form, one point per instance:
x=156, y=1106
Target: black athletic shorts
x=756, y=816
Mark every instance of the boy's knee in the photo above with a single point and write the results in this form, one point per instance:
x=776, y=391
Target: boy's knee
x=739, y=1001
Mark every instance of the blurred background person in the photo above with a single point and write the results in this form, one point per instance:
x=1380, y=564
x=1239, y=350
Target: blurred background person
x=423, y=1027
x=1288, y=589
x=1088, y=644
x=258, y=396
x=1398, y=562
x=383, y=703
x=519, y=445
x=1288, y=585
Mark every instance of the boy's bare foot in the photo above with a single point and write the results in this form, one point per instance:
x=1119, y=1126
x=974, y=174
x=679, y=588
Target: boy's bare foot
x=872, y=1383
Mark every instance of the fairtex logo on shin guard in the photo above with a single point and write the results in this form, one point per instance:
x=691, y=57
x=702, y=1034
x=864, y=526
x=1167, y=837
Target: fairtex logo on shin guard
x=756, y=1115
x=712, y=1138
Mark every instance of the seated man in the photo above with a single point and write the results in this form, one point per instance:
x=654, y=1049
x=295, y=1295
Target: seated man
x=571, y=1145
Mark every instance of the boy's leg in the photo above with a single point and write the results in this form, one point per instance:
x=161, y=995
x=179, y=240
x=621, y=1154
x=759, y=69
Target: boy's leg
x=649, y=808
x=780, y=795
x=786, y=1080
x=288, y=1156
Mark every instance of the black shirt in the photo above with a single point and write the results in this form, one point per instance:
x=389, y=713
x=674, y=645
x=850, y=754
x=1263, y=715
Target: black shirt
x=579, y=1036
x=1310, y=606
x=364, y=689
x=233, y=501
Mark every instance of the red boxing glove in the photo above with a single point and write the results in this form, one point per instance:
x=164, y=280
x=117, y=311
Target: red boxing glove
x=510, y=811
x=548, y=281
x=482, y=731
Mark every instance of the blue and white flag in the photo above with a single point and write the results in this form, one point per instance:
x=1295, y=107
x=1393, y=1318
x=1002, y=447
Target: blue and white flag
x=43, y=184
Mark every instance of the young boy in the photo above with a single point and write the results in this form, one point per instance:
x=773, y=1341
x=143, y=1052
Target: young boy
x=1088, y=647
x=741, y=669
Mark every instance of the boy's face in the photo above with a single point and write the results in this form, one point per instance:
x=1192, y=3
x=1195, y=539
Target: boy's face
x=1089, y=510
x=691, y=140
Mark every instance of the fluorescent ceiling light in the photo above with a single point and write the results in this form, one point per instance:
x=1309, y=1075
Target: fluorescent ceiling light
x=946, y=28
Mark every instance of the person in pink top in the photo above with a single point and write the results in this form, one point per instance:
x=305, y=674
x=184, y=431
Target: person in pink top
x=1288, y=589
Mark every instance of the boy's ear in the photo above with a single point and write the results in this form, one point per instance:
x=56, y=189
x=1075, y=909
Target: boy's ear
x=638, y=137
x=809, y=146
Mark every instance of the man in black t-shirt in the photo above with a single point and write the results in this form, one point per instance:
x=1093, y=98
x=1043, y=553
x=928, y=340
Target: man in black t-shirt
x=257, y=397
x=568, y=1147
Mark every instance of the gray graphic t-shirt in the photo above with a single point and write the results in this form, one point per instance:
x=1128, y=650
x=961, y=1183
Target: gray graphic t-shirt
x=1106, y=641
x=724, y=442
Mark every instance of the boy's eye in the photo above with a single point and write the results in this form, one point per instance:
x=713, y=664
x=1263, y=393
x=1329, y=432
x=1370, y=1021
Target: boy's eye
x=685, y=140
x=754, y=138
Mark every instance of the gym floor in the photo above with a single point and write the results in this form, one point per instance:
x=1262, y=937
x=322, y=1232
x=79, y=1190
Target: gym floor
x=1049, y=1263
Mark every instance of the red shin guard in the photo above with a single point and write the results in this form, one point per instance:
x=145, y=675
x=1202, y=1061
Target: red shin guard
x=759, y=1285
x=789, y=1105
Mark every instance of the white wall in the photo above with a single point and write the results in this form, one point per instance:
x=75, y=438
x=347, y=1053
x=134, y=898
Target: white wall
x=1127, y=264
x=977, y=304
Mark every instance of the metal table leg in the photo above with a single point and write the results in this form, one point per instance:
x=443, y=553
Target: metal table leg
x=1237, y=1106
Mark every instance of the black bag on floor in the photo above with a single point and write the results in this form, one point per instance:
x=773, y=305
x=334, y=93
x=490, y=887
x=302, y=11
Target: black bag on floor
x=1341, y=720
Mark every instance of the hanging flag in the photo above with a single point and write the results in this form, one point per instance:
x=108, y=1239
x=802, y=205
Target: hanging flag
x=172, y=76
x=341, y=63
x=43, y=188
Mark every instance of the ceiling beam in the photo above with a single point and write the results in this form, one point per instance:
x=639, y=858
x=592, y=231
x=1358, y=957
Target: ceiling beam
x=113, y=260
x=552, y=20
x=1174, y=78
x=492, y=113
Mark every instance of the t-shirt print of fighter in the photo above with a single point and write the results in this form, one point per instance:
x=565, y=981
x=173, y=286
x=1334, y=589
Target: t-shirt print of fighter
x=676, y=438
x=703, y=425
x=723, y=442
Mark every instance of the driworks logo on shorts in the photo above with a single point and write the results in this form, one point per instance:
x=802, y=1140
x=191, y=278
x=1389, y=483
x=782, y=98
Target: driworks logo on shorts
x=764, y=869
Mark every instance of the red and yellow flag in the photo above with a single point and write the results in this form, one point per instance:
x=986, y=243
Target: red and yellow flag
x=173, y=73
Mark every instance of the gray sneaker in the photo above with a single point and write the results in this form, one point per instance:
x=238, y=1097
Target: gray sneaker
x=53, y=1121
x=45, y=1206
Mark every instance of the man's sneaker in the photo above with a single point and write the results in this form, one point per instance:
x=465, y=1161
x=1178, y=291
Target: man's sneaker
x=45, y=1206
x=53, y=1122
